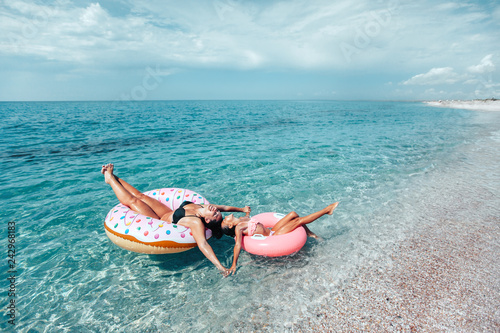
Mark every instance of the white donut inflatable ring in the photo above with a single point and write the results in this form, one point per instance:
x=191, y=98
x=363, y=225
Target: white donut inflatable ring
x=274, y=246
x=139, y=233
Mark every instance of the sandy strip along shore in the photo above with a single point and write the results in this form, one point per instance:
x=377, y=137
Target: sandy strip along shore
x=479, y=105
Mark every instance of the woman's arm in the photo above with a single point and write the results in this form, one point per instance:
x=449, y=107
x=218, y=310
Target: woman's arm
x=198, y=230
x=238, y=231
x=224, y=208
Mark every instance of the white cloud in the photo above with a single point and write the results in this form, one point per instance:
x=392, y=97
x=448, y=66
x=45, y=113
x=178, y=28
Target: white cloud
x=471, y=81
x=94, y=15
x=447, y=75
x=226, y=34
x=450, y=6
x=444, y=75
x=235, y=34
x=485, y=66
x=476, y=81
x=376, y=38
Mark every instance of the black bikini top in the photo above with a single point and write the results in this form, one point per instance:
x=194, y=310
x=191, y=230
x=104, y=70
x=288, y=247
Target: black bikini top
x=180, y=212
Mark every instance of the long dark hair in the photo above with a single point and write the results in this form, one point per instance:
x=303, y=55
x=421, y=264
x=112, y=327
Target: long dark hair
x=218, y=231
x=215, y=226
x=229, y=231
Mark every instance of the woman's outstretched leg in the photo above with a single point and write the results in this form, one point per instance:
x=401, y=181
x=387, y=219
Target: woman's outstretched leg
x=310, y=233
x=292, y=221
x=159, y=208
x=124, y=196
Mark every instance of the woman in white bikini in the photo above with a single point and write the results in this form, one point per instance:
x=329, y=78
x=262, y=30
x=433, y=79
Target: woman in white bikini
x=246, y=226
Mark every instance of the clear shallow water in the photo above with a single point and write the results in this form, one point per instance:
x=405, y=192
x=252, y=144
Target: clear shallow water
x=271, y=155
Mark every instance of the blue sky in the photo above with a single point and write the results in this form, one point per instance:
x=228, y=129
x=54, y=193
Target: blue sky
x=233, y=49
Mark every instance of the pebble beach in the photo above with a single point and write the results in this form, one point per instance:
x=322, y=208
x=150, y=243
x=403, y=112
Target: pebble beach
x=479, y=104
x=444, y=276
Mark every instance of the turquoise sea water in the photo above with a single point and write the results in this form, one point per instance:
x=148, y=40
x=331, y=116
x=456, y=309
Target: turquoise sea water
x=377, y=158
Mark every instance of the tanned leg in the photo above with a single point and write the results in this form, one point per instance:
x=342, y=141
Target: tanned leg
x=159, y=208
x=310, y=233
x=292, y=221
x=124, y=196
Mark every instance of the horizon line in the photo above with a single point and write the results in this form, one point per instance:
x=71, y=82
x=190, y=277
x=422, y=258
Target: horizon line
x=220, y=100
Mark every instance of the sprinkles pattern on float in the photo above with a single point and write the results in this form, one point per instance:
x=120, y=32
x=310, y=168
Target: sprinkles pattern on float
x=11, y=272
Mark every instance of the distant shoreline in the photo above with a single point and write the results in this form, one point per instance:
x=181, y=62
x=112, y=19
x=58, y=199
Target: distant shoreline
x=491, y=104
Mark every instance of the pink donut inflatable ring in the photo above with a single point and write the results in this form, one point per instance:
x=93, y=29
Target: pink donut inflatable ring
x=274, y=246
x=139, y=233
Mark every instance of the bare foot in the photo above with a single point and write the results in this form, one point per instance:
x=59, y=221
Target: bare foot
x=332, y=207
x=313, y=235
x=309, y=233
x=108, y=172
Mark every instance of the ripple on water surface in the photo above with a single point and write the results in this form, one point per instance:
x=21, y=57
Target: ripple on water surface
x=273, y=156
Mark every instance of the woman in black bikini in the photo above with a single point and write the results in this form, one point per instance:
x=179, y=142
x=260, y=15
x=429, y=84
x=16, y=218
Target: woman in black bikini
x=193, y=216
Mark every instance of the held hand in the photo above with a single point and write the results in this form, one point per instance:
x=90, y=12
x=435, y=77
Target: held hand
x=247, y=210
x=232, y=270
x=225, y=272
